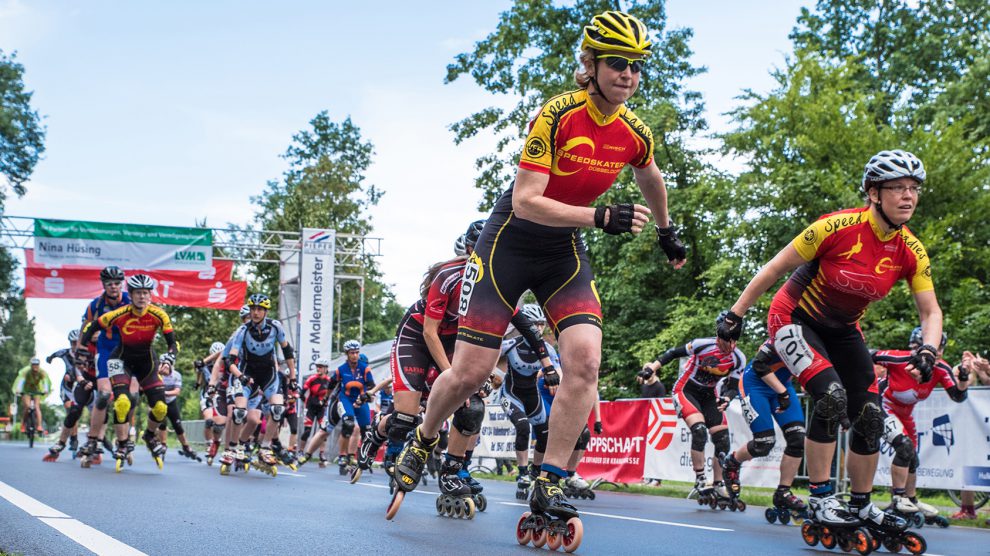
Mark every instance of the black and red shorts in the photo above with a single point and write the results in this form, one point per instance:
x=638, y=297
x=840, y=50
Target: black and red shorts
x=692, y=398
x=413, y=368
x=515, y=255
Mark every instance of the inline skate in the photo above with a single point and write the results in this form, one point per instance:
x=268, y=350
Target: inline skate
x=832, y=524
x=54, y=451
x=576, y=487
x=890, y=531
x=551, y=520
x=456, y=497
x=787, y=507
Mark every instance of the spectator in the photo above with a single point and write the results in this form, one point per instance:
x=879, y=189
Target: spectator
x=649, y=385
x=980, y=369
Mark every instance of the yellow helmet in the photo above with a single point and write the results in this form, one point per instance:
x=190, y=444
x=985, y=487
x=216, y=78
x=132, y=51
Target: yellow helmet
x=613, y=30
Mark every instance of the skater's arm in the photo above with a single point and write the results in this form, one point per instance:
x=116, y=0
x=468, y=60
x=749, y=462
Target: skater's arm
x=431, y=334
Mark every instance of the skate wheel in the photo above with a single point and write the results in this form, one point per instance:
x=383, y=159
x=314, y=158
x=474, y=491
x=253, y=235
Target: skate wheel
x=862, y=542
x=918, y=520
x=741, y=505
x=591, y=495
x=771, y=515
x=209, y=461
x=785, y=517
x=439, y=505
x=355, y=475
x=119, y=466
x=481, y=503
x=224, y=469
x=539, y=531
x=554, y=540
x=713, y=503
x=941, y=521
x=722, y=505
x=574, y=534
x=468, y=508
x=914, y=543
x=892, y=545
x=809, y=534
x=733, y=505
x=523, y=533
x=160, y=462
x=828, y=539
x=273, y=471
x=393, y=507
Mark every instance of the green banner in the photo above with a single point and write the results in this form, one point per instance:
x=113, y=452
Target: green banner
x=108, y=231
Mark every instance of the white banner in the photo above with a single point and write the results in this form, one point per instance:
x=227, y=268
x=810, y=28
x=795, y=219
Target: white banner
x=668, y=449
x=316, y=272
x=953, y=443
x=498, y=435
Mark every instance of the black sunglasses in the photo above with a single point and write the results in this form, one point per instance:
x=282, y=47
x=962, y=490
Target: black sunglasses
x=620, y=63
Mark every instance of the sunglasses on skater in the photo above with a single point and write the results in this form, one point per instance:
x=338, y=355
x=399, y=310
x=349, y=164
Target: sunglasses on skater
x=620, y=63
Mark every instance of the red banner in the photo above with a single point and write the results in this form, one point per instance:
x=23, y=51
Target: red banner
x=618, y=454
x=181, y=288
x=222, y=270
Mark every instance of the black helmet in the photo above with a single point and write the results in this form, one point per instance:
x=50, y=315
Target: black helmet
x=112, y=274
x=473, y=233
x=916, y=339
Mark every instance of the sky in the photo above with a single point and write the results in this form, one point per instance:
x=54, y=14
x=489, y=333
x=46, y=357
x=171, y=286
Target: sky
x=174, y=112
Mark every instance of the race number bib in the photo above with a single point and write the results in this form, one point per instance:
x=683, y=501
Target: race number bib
x=793, y=349
x=749, y=413
x=892, y=428
x=115, y=367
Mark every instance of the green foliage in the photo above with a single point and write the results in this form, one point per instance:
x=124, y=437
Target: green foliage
x=324, y=188
x=21, y=134
x=17, y=347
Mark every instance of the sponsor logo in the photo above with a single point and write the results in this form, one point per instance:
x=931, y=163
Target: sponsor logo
x=190, y=256
x=839, y=222
x=133, y=326
x=54, y=284
x=855, y=249
x=810, y=235
x=321, y=241
x=662, y=423
x=582, y=161
x=536, y=148
x=942, y=434
x=617, y=148
x=856, y=284
x=886, y=264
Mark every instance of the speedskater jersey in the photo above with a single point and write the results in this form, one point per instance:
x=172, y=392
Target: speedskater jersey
x=256, y=342
x=522, y=360
x=707, y=364
x=354, y=382
x=135, y=328
x=851, y=263
x=901, y=387
x=442, y=298
x=99, y=307
x=172, y=381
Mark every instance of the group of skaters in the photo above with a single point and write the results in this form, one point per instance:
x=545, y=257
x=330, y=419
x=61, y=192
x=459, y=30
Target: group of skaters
x=468, y=318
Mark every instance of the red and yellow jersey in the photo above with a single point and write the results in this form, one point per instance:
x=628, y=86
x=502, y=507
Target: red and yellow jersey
x=851, y=263
x=136, y=329
x=582, y=149
x=900, y=387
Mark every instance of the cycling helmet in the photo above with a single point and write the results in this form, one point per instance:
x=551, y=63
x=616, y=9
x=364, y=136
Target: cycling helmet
x=216, y=347
x=245, y=311
x=459, y=248
x=140, y=282
x=259, y=300
x=323, y=362
x=916, y=339
x=473, y=233
x=35, y=361
x=533, y=312
x=614, y=30
x=73, y=336
x=112, y=274
x=352, y=345
x=890, y=165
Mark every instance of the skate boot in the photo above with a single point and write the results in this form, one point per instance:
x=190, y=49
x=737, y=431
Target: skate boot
x=551, y=520
x=211, y=452
x=189, y=453
x=931, y=513
x=723, y=499
x=156, y=448
x=227, y=461
x=902, y=507
x=323, y=460
x=130, y=451
x=480, y=502
x=576, y=487
x=303, y=459
x=730, y=472
x=120, y=456
x=455, y=499
x=702, y=491
x=54, y=451
x=370, y=444
x=342, y=464
x=890, y=531
x=785, y=507
x=84, y=454
x=407, y=470
x=73, y=443
x=266, y=462
x=241, y=458
x=833, y=524
x=523, y=484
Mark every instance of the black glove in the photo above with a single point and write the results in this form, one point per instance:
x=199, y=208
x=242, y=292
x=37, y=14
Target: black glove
x=551, y=377
x=728, y=326
x=783, y=402
x=598, y=427
x=963, y=374
x=723, y=402
x=293, y=387
x=620, y=218
x=923, y=359
x=198, y=363
x=48, y=359
x=669, y=242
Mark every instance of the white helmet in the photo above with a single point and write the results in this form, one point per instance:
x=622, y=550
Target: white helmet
x=460, y=248
x=890, y=165
x=351, y=345
x=533, y=312
x=73, y=335
x=323, y=362
x=245, y=311
x=216, y=347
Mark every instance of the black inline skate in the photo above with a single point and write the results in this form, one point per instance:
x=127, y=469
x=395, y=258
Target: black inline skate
x=480, y=502
x=370, y=445
x=266, y=462
x=890, y=531
x=154, y=446
x=724, y=499
x=832, y=524
x=54, y=451
x=408, y=468
x=551, y=520
x=915, y=512
x=703, y=492
x=787, y=507
x=523, y=484
x=456, y=497
x=576, y=487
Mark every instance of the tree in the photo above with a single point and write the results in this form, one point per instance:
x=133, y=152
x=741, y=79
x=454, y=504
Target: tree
x=531, y=55
x=21, y=134
x=324, y=188
x=16, y=329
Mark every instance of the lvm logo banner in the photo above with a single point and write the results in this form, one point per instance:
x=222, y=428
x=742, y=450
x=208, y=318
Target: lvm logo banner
x=129, y=246
x=316, y=290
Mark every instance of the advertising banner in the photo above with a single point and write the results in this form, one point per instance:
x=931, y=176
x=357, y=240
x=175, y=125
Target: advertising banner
x=124, y=245
x=221, y=270
x=185, y=289
x=498, y=435
x=618, y=454
x=316, y=289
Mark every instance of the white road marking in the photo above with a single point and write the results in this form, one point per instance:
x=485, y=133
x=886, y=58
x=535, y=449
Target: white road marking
x=291, y=474
x=639, y=519
x=94, y=540
x=373, y=485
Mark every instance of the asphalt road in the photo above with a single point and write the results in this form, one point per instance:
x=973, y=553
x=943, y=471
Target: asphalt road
x=188, y=508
